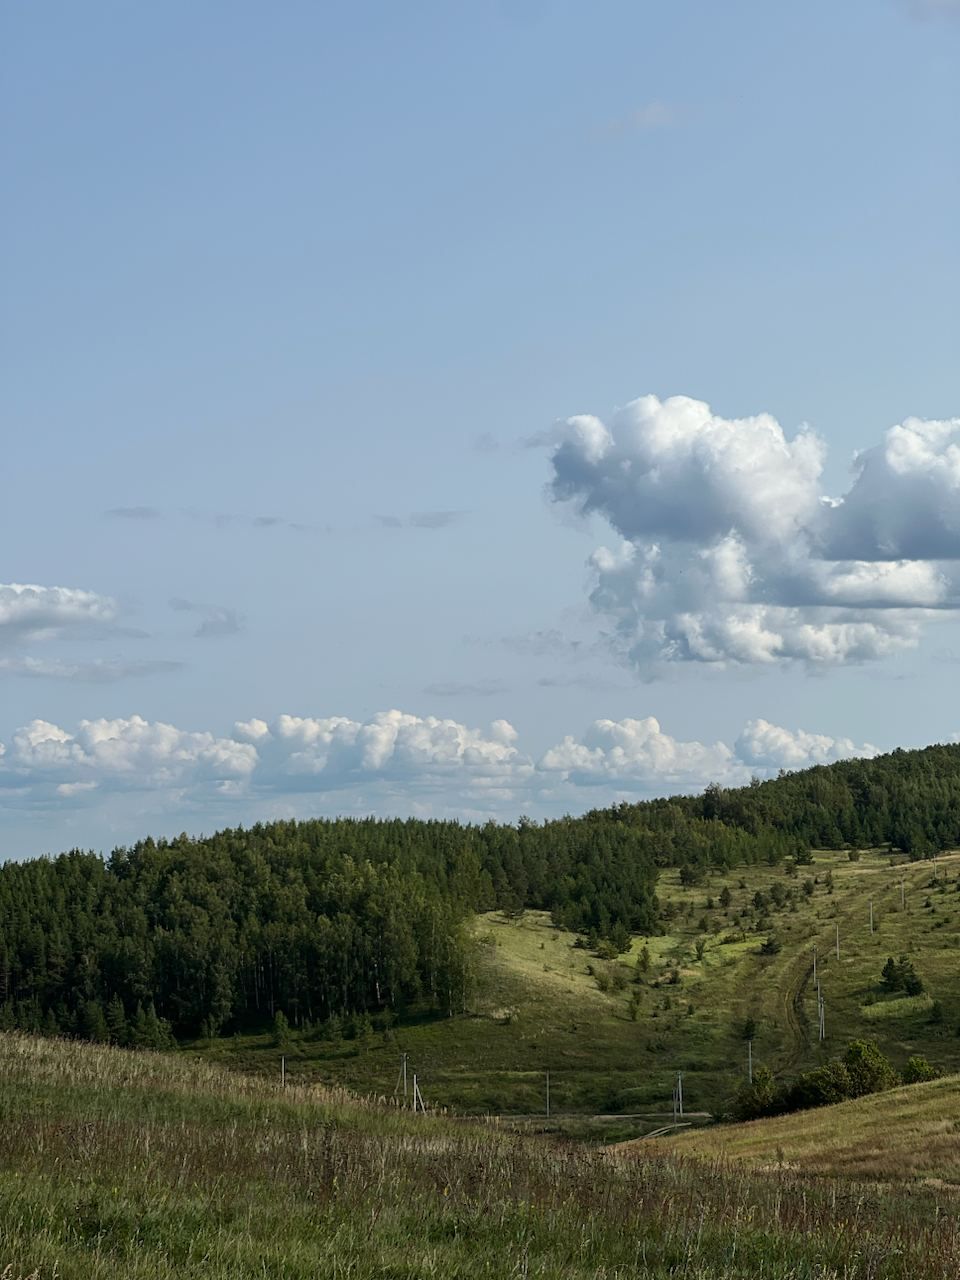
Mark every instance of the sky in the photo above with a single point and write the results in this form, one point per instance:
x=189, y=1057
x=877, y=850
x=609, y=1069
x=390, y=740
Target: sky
x=469, y=410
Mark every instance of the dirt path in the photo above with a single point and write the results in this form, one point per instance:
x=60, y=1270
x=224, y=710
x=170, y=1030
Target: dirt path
x=798, y=973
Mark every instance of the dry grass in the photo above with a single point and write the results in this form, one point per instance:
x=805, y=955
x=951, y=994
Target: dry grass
x=906, y=1134
x=118, y=1164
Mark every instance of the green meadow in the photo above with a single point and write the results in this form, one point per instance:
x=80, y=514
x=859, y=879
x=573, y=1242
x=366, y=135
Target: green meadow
x=614, y=1032
x=123, y=1163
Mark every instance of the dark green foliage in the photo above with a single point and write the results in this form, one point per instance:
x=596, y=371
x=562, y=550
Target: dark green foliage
x=117, y=1028
x=868, y=1070
x=919, y=1070
x=900, y=975
x=861, y=1070
x=93, y=1023
x=326, y=918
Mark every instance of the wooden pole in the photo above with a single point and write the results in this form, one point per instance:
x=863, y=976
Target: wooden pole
x=548, y=1095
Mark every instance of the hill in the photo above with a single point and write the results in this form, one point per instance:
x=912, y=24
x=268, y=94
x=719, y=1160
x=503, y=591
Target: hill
x=134, y=1164
x=535, y=1002
x=614, y=950
x=906, y=1134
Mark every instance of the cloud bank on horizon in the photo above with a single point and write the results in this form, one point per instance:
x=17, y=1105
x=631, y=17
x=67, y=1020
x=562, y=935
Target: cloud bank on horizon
x=423, y=759
x=730, y=553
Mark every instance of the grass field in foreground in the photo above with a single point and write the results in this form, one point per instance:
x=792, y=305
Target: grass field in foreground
x=535, y=1007
x=118, y=1164
x=905, y=1134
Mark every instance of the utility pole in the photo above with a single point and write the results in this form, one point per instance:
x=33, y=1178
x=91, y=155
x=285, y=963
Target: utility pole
x=750, y=1061
x=416, y=1094
x=678, y=1093
x=903, y=901
x=838, y=942
x=402, y=1079
x=871, y=915
x=820, y=1016
x=548, y=1095
x=814, y=962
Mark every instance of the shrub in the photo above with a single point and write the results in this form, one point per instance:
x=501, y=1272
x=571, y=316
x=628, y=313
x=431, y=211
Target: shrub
x=918, y=1070
x=820, y=1087
x=868, y=1069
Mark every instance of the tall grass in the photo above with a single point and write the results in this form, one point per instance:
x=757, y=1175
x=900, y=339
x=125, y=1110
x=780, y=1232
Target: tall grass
x=119, y=1164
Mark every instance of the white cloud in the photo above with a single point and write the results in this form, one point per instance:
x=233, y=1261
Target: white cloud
x=28, y=610
x=392, y=744
x=730, y=553
x=905, y=499
x=392, y=763
x=639, y=753
x=768, y=746
x=125, y=752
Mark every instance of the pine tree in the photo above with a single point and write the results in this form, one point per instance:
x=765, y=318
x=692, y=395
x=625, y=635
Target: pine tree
x=94, y=1024
x=117, y=1028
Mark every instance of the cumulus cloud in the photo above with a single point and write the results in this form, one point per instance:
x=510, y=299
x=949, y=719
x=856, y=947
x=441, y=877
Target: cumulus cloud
x=392, y=762
x=638, y=753
x=392, y=744
x=132, y=753
x=28, y=610
x=905, y=500
x=728, y=550
x=767, y=746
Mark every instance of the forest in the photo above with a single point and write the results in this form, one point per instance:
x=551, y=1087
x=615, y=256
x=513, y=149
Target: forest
x=321, y=919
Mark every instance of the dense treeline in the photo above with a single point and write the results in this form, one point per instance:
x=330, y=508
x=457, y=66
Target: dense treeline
x=906, y=800
x=313, y=919
x=325, y=918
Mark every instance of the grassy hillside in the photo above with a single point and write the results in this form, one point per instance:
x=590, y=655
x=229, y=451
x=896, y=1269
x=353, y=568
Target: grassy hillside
x=535, y=1006
x=906, y=1134
x=115, y=1163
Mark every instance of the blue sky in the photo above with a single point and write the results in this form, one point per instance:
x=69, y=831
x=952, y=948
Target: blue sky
x=298, y=305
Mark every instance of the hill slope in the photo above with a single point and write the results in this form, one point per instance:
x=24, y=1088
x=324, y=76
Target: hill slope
x=114, y=1163
x=535, y=1004
x=905, y=1134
